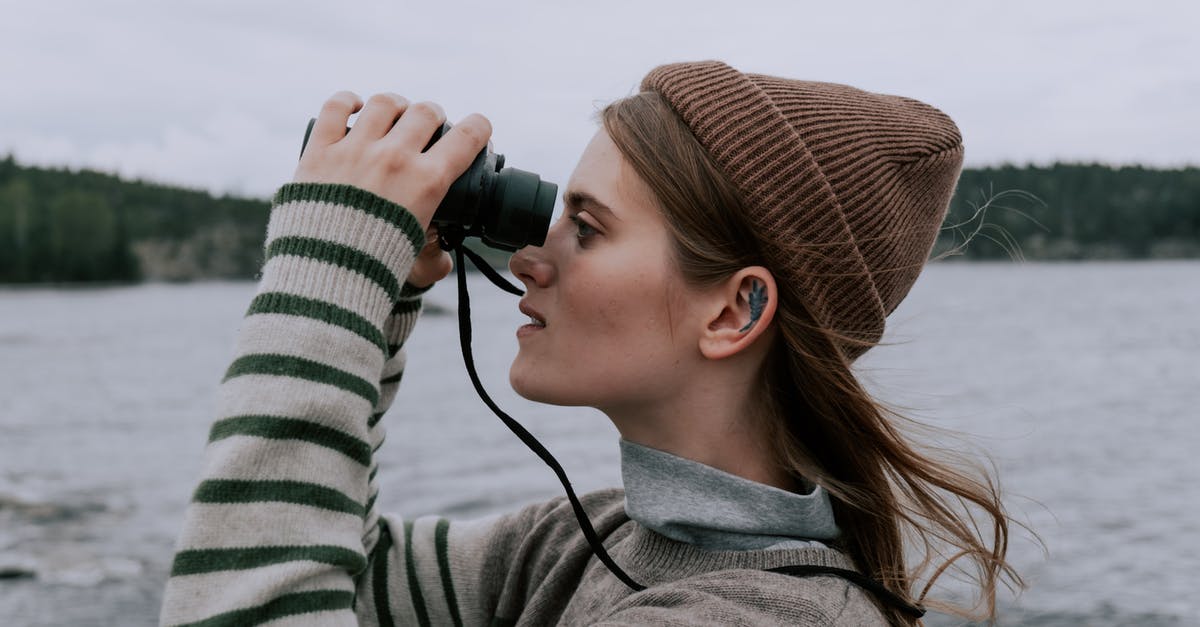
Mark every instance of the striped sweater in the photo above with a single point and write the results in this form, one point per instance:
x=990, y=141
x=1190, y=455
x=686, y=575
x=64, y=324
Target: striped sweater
x=282, y=527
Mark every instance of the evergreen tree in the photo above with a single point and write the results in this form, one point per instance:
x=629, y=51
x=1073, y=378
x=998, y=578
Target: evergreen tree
x=62, y=225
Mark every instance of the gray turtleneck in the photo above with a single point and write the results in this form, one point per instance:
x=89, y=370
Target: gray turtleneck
x=690, y=502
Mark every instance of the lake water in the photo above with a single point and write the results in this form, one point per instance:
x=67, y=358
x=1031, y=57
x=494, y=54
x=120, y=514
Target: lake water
x=1081, y=380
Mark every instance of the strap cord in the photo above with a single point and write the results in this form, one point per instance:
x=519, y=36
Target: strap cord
x=451, y=239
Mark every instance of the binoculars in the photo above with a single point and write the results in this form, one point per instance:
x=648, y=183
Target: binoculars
x=505, y=208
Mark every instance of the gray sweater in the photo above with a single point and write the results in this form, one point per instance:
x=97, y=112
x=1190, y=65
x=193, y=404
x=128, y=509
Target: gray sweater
x=283, y=528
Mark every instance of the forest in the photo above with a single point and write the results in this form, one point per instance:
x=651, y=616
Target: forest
x=1075, y=212
x=60, y=225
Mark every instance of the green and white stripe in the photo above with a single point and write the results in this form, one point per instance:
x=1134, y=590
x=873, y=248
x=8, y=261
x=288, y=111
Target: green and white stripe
x=277, y=525
x=412, y=581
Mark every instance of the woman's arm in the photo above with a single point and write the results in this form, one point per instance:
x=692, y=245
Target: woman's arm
x=395, y=330
x=281, y=523
x=276, y=525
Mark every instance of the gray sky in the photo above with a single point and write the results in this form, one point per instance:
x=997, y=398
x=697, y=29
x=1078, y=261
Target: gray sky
x=216, y=94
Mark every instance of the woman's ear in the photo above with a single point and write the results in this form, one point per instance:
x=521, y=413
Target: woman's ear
x=744, y=306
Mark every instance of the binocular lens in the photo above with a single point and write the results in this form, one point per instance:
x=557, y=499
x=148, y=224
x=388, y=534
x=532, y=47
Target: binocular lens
x=522, y=205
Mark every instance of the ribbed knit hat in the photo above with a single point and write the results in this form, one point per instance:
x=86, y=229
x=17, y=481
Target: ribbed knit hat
x=846, y=188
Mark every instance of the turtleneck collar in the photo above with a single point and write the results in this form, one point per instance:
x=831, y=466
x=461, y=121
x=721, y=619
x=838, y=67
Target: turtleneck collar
x=690, y=502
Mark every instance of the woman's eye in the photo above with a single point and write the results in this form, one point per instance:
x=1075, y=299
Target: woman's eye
x=583, y=230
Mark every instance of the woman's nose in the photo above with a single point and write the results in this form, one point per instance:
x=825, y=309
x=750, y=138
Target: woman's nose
x=532, y=267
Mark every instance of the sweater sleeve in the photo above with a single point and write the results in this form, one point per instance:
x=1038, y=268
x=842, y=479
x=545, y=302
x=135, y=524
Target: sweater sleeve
x=282, y=521
x=396, y=329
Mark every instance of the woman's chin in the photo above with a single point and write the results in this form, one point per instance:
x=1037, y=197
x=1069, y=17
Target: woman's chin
x=524, y=383
x=531, y=391
x=529, y=386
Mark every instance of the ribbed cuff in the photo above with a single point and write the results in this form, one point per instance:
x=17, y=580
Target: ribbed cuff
x=343, y=246
x=361, y=199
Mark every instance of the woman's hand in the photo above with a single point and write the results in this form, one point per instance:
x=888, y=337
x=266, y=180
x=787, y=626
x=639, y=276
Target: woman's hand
x=432, y=265
x=382, y=153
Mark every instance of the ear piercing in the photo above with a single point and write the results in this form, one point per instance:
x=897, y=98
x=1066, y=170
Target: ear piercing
x=758, y=300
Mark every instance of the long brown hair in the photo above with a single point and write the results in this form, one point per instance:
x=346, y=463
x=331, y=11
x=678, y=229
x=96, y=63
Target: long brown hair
x=824, y=426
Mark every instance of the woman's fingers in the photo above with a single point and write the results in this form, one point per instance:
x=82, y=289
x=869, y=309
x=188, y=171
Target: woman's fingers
x=416, y=127
x=383, y=153
x=432, y=264
x=335, y=113
x=458, y=148
x=378, y=116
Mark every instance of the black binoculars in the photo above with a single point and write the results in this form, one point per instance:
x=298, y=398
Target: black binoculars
x=505, y=208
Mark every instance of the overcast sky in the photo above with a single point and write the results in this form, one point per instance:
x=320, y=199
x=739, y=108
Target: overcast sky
x=216, y=93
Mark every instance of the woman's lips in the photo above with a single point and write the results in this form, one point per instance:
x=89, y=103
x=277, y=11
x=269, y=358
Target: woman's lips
x=526, y=330
x=536, y=321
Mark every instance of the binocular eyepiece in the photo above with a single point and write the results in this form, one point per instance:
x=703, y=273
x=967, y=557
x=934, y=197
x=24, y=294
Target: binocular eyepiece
x=505, y=208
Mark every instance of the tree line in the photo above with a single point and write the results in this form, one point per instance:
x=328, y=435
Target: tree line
x=62, y=225
x=1075, y=211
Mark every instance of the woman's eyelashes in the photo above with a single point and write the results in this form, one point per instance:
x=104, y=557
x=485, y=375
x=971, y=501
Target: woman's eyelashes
x=583, y=230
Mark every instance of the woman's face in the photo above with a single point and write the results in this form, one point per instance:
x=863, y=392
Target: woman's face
x=616, y=333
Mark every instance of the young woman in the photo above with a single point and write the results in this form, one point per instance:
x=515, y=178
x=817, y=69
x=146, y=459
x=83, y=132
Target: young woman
x=730, y=244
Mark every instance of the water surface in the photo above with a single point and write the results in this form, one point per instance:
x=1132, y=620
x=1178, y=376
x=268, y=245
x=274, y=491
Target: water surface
x=1081, y=380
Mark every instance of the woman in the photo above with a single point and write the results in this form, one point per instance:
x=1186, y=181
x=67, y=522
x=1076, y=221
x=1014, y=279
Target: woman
x=730, y=244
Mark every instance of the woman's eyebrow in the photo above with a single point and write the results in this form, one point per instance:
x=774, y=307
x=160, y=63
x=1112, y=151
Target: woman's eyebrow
x=584, y=200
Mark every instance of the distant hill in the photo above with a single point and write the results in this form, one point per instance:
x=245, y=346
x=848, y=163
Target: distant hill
x=61, y=225
x=80, y=225
x=1076, y=211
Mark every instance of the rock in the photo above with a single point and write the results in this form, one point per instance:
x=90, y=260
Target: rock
x=16, y=572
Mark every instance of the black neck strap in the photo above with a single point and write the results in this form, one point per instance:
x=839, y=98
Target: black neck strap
x=464, y=336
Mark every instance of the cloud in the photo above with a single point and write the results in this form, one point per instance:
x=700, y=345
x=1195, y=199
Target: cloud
x=230, y=152
x=216, y=93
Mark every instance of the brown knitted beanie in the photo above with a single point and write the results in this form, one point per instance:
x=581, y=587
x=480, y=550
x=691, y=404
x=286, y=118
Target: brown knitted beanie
x=846, y=188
